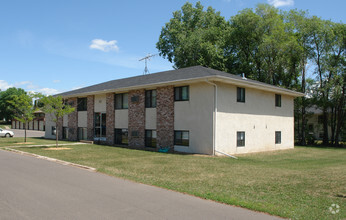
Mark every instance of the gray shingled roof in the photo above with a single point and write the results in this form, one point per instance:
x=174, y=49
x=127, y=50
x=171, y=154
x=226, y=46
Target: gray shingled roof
x=188, y=73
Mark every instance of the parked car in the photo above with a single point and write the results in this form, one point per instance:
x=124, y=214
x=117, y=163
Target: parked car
x=6, y=133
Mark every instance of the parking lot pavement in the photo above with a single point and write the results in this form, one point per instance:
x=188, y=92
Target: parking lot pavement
x=32, y=188
x=29, y=133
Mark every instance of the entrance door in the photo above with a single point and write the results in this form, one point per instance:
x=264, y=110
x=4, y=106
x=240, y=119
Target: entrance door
x=100, y=126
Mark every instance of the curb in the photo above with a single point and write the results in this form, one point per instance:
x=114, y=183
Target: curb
x=51, y=159
x=46, y=145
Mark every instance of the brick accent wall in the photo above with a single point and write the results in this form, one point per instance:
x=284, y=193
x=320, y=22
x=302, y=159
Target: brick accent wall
x=73, y=120
x=90, y=117
x=165, y=116
x=110, y=118
x=60, y=123
x=136, y=118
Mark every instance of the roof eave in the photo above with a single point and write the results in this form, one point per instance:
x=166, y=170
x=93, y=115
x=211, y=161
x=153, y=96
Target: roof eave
x=264, y=87
x=238, y=82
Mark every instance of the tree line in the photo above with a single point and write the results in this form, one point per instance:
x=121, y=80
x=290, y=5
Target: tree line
x=290, y=49
x=15, y=103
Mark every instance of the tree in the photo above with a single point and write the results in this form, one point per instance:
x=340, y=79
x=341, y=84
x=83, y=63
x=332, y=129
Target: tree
x=57, y=108
x=22, y=108
x=5, y=105
x=194, y=37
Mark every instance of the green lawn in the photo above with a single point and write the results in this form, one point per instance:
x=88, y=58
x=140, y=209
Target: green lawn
x=19, y=141
x=297, y=184
x=2, y=125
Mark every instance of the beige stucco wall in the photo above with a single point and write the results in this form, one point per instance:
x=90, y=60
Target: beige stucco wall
x=258, y=117
x=100, y=103
x=41, y=125
x=82, y=119
x=121, y=118
x=150, y=118
x=36, y=125
x=49, y=124
x=31, y=125
x=196, y=116
x=65, y=121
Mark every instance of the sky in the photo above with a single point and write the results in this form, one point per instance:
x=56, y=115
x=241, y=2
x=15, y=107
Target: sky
x=56, y=46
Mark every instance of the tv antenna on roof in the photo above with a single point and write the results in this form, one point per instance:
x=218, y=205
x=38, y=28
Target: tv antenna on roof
x=146, y=58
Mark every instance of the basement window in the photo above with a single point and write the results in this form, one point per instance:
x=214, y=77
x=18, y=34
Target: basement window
x=277, y=100
x=240, y=138
x=82, y=133
x=277, y=137
x=181, y=93
x=121, y=101
x=240, y=94
x=181, y=138
x=121, y=136
x=150, y=138
x=65, y=133
x=150, y=98
x=53, y=130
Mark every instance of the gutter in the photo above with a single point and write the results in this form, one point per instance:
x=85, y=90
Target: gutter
x=214, y=114
x=214, y=121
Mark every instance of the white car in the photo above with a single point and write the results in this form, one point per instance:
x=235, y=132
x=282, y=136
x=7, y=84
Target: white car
x=6, y=133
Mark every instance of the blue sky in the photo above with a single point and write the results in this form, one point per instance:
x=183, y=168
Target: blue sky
x=56, y=46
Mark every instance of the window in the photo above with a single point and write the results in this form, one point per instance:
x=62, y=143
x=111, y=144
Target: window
x=53, y=130
x=240, y=94
x=277, y=137
x=81, y=104
x=121, y=101
x=82, y=133
x=240, y=138
x=100, y=125
x=277, y=100
x=311, y=128
x=181, y=138
x=121, y=136
x=65, y=133
x=150, y=98
x=150, y=138
x=181, y=93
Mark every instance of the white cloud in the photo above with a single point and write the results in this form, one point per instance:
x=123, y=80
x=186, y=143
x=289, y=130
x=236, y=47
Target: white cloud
x=281, y=3
x=4, y=85
x=48, y=91
x=103, y=45
x=28, y=86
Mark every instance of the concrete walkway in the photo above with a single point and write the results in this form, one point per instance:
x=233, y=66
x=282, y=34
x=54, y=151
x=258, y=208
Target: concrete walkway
x=32, y=188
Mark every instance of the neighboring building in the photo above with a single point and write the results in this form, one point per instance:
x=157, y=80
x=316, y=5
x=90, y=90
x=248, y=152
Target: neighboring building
x=315, y=124
x=194, y=110
x=37, y=124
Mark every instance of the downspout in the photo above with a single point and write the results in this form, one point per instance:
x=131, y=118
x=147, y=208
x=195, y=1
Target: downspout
x=214, y=122
x=214, y=114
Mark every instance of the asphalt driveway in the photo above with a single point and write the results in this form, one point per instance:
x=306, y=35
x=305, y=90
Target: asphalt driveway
x=32, y=188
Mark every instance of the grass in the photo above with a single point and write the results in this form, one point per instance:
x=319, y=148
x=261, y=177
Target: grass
x=299, y=184
x=18, y=141
x=3, y=126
